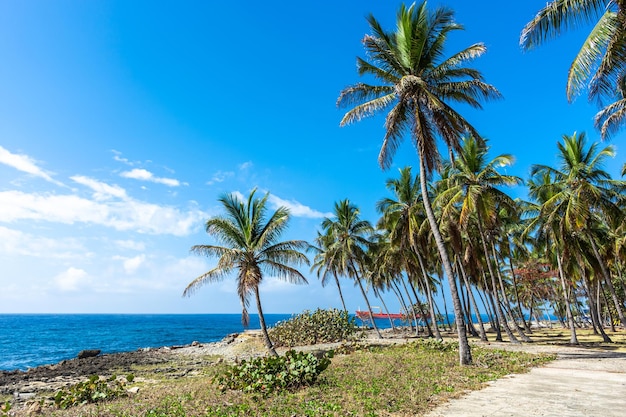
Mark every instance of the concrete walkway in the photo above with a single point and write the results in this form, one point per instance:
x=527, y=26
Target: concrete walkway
x=581, y=382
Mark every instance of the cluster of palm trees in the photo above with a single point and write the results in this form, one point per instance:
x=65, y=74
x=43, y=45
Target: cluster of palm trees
x=564, y=248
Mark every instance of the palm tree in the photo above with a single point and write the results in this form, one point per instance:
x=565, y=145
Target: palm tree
x=350, y=235
x=250, y=246
x=417, y=88
x=324, y=262
x=600, y=63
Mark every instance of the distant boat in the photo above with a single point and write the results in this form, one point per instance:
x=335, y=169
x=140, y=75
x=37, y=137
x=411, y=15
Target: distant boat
x=378, y=314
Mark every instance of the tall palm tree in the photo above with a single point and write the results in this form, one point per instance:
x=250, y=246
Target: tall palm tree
x=351, y=242
x=249, y=246
x=417, y=87
x=601, y=60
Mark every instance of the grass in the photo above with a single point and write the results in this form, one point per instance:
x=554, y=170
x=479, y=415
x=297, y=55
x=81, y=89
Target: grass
x=401, y=380
x=560, y=336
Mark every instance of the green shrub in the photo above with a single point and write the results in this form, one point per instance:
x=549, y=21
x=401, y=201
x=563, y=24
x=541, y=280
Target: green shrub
x=274, y=373
x=93, y=390
x=309, y=328
x=5, y=408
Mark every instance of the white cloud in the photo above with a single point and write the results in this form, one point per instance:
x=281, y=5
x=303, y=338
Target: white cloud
x=18, y=243
x=276, y=285
x=246, y=165
x=24, y=163
x=72, y=279
x=127, y=214
x=131, y=244
x=102, y=191
x=117, y=156
x=132, y=264
x=297, y=209
x=144, y=175
x=220, y=176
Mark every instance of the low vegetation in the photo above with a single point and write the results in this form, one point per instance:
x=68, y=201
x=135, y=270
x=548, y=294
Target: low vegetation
x=405, y=379
x=269, y=374
x=319, y=326
x=95, y=389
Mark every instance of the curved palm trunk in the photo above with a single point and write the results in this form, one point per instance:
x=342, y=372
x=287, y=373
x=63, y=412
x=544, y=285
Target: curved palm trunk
x=408, y=296
x=420, y=306
x=403, y=307
x=491, y=307
x=568, y=306
x=367, y=301
x=494, y=287
x=377, y=294
x=505, y=301
x=343, y=303
x=481, y=326
x=465, y=354
x=429, y=295
x=593, y=310
x=526, y=324
x=266, y=336
x=609, y=283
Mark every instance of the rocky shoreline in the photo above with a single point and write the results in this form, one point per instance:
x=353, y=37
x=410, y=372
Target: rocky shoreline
x=169, y=362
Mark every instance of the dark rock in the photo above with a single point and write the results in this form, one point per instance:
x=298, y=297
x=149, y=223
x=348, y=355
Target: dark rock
x=88, y=353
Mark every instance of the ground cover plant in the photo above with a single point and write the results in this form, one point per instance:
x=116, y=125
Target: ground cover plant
x=406, y=379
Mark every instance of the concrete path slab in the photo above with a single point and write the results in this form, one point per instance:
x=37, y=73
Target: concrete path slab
x=580, y=382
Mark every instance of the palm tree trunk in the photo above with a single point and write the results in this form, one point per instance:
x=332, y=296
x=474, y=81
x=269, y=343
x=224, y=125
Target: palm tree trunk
x=367, y=301
x=491, y=307
x=568, y=306
x=411, y=306
x=593, y=311
x=606, y=303
x=343, y=303
x=505, y=301
x=517, y=300
x=266, y=336
x=403, y=303
x=481, y=327
x=429, y=296
x=377, y=294
x=609, y=283
x=465, y=354
x=421, y=307
x=494, y=286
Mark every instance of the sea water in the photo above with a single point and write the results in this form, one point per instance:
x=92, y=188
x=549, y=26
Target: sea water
x=29, y=340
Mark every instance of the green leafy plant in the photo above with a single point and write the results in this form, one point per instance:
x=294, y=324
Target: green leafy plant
x=93, y=390
x=5, y=408
x=319, y=326
x=269, y=374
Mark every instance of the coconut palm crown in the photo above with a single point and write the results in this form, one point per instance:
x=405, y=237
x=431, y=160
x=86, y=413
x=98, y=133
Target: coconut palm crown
x=416, y=84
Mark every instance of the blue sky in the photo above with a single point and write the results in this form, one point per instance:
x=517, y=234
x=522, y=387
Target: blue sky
x=122, y=122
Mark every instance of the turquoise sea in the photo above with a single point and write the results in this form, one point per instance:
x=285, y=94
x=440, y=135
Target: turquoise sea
x=29, y=340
